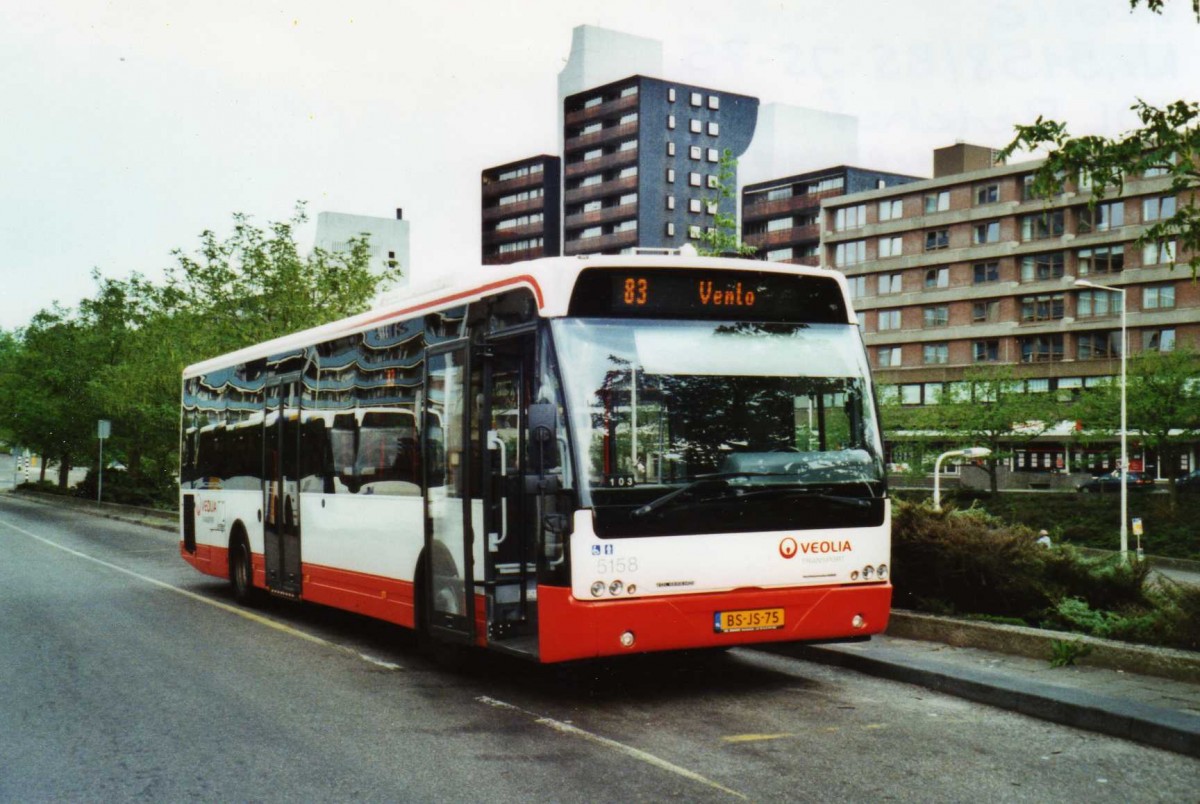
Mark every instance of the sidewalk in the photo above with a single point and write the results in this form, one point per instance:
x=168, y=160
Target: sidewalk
x=1156, y=711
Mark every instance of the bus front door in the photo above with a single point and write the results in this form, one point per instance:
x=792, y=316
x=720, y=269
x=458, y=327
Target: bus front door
x=281, y=486
x=449, y=590
x=505, y=371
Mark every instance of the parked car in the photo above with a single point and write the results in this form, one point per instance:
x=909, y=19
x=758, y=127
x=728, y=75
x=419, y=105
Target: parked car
x=1138, y=481
x=1189, y=483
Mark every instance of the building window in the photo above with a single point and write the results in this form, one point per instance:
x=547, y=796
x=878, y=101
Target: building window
x=627, y=173
x=670, y=175
x=714, y=102
x=891, y=210
x=695, y=126
x=1102, y=217
x=671, y=121
x=891, y=246
x=850, y=218
x=987, y=194
x=889, y=283
x=935, y=353
x=861, y=317
x=628, y=145
x=694, y=152
x=1042, y=225
x=987, y=232
x=694, y=179
x=713, y=156
x=889, y=356
x=1160, y=253
x=694, y=232
x=779, y=254
x=850, y=253
x=985, y=311
x=1035, y=267
x=937, y=316
x=1157, y=209
x=937, y=278
x=779, y=224
x=694, y=205
x=714, y=128
x=856, y=284
x=670, y=149
x=910, y=394
x=937, y=202
x=1101, y=260
x=591, y=231
x=671, y=95
x=1098, y=345
x=697, y=99
x=1158, y=297
x=1097, y=303
x=1041, y=348
x=985, y=272
x=670, y=202
x=937, y=239
x=1158, y=340
x=1044, y=307
x=985, y=351
x=1027, y=187
x=670, y=229
x=889, y=319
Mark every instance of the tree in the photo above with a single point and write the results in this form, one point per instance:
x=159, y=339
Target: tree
x=1163, y=406
x=723, y=238
x=989, y=408
x=1157, y=6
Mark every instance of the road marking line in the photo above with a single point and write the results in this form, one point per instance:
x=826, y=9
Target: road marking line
x=754, y=738
x=628, y=750
x=241, y=612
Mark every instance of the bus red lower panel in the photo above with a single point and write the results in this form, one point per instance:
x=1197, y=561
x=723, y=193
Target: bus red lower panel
x=575, y=629
x=208, y=559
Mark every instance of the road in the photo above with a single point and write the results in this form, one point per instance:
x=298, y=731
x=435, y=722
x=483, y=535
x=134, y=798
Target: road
x=127, y=675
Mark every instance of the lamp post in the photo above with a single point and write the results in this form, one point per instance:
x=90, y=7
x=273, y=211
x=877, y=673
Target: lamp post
x=1083, y=283
x=968, y=452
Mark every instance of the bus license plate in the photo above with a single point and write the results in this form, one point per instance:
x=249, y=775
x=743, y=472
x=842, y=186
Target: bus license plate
x=728, y=622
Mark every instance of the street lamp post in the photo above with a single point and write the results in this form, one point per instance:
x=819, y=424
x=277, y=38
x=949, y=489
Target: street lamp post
x=968, y=452
x=1083, y=283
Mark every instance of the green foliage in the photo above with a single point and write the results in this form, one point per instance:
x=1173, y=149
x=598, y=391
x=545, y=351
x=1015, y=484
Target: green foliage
x=119, y=355
x=1064, y=652
x=1157, y=6
x=970, y=562
x=723, y=238
x=1167, y=141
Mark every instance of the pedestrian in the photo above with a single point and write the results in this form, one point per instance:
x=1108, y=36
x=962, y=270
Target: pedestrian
x=1043, y=538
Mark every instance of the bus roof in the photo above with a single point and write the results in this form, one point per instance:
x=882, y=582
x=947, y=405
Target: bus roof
x=551, y=281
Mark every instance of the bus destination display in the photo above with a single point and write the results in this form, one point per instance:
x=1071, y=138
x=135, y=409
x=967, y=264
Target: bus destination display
x=721, y=295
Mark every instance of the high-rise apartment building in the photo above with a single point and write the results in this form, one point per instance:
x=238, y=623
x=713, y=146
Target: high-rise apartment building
x=522, y=210
x=781, y=217
x=969, y=269
x=641, y=158
x=387, y=239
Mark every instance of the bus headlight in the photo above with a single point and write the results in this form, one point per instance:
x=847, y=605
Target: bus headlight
x=868, y=572
x=615, y=587
x=598, y=588
x=883, y=572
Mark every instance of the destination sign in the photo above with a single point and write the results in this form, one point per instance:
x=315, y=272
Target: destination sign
x=708, y=294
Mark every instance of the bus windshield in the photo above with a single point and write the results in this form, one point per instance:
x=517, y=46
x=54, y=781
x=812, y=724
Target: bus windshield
x=701, y=427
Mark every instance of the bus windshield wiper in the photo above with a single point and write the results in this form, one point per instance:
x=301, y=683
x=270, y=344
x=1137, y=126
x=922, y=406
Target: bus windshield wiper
x=853, y=502
x=719, y=480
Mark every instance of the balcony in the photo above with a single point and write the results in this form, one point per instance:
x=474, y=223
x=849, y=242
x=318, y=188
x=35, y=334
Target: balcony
x=618, y=160
x=515, y=256
x=514, y=233
x=496, y=213
x=796, y=234
x=593, y=245
x=493, y=188
x=599, y=216
x=626, y=104
x=797, y=203
x=600, y=137
x=582, y=194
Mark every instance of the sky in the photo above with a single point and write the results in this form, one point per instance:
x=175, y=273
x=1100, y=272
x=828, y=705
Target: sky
x=128, y=128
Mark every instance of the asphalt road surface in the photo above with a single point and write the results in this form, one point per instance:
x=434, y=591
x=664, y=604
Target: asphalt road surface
x=126, y=675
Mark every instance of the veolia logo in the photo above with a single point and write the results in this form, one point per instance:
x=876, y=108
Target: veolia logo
x=788, y=547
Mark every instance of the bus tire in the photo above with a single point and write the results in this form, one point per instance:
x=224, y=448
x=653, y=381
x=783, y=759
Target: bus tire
x=241, y=569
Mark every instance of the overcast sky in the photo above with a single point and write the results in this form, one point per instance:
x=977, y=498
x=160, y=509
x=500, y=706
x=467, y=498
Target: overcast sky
x=127, y=128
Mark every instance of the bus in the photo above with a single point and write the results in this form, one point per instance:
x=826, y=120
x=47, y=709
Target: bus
x=563, y=459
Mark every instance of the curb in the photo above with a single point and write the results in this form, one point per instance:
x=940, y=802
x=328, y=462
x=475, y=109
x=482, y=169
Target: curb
x=1150, y=725
x=1034, y=643
x=167, y=521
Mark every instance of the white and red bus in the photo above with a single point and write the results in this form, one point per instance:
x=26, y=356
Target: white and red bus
x=569, y=458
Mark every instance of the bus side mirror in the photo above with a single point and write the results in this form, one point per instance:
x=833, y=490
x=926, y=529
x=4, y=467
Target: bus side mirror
x=543, y=436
